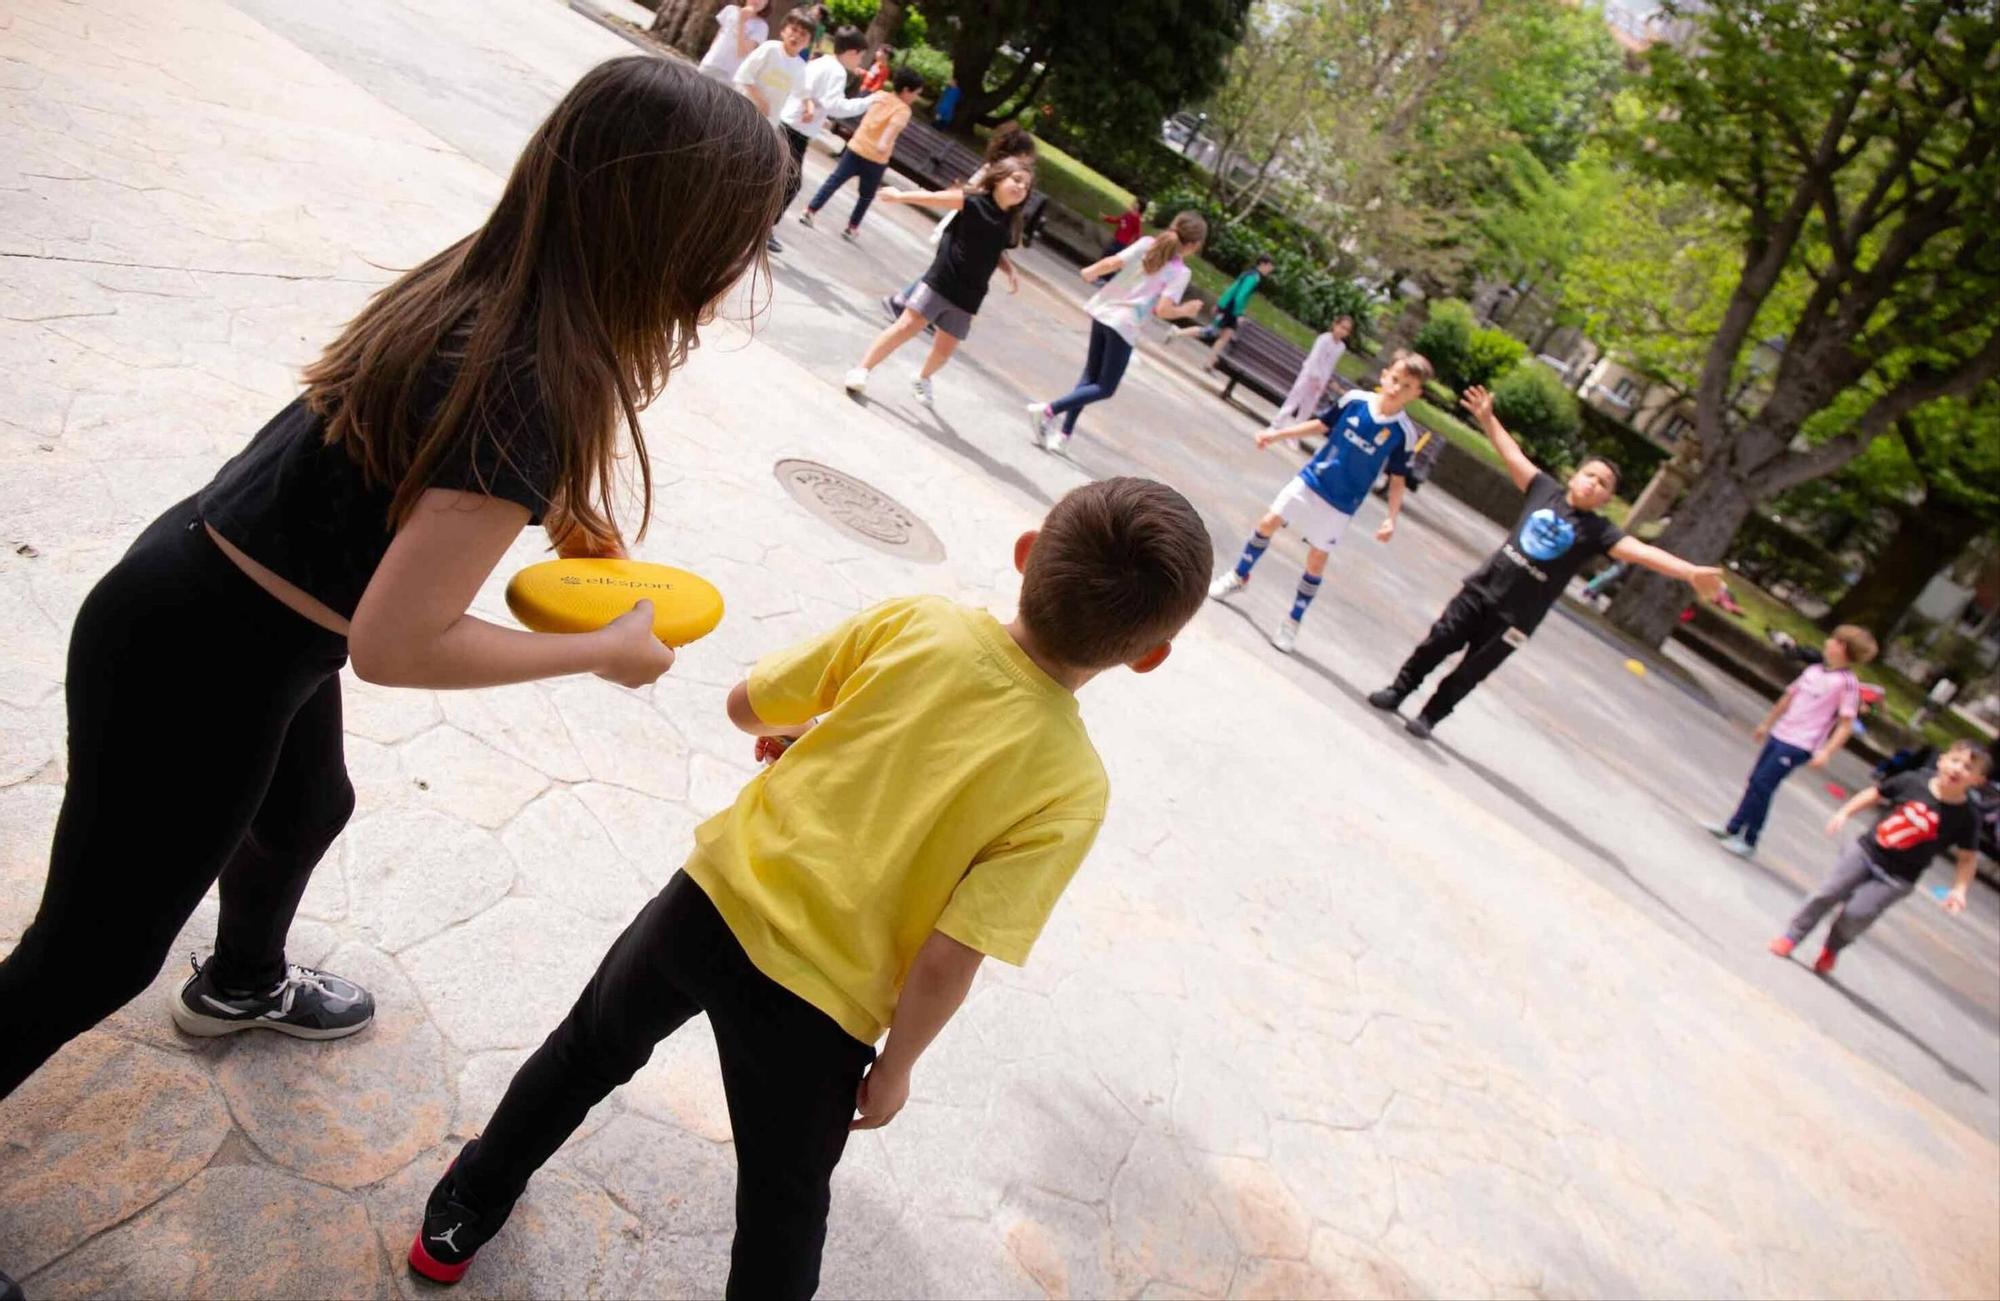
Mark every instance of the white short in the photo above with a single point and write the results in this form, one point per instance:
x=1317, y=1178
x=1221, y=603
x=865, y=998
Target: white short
x=1316, y=519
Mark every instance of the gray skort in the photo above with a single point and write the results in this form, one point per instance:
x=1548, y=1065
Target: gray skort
x=940, y=311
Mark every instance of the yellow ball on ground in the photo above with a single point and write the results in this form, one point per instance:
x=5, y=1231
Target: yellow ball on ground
x=1635, y=668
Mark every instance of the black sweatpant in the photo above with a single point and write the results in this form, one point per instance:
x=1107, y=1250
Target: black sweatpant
x=796, y=177
x=204, y=741
x=789, y=1071
x=1472, y=623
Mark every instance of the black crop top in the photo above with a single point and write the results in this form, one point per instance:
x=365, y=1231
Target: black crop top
x=302, y=508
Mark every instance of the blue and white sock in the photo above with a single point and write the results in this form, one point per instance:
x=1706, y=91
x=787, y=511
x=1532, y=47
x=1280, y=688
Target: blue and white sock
x=1308, y=589
x=1253, y=551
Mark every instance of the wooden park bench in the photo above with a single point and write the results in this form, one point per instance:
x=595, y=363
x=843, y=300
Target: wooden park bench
x=938, y=161
x=1260, y=360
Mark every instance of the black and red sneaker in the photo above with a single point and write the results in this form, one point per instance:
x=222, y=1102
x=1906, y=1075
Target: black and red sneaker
x=453, y=1230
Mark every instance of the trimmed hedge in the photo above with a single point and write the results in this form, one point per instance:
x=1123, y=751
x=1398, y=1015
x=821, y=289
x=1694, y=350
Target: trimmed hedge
x=1540, y=412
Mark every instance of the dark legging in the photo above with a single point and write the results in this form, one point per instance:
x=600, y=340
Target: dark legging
x=789, y=1073
x=1471, y=623
x=1103, y=368
x=204, y=742
x=796, y=177
x=850, y=164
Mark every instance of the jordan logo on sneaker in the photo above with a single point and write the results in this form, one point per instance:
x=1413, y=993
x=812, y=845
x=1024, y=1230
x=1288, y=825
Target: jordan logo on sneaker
x=446, y=1236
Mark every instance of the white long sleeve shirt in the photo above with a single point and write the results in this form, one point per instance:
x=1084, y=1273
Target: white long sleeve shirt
x=826, y=86
x=1320, y=362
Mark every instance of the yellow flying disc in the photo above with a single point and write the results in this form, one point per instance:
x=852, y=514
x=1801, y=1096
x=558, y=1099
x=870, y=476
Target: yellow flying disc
x=584, y=595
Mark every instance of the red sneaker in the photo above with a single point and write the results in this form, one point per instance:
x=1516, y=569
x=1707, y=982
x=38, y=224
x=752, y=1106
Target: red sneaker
x=1824, y=963
x=1783, y=946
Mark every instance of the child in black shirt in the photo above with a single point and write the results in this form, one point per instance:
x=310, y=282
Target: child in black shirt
x=1928, y=812
x=1559, y=530
x=973, y=247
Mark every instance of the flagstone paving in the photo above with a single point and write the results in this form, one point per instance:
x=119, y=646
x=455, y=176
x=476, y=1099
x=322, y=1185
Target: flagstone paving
x=1316, y=1019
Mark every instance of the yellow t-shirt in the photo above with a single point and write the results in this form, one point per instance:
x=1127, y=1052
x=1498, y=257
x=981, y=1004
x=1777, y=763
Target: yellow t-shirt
x=875, y=137
x=949, y=786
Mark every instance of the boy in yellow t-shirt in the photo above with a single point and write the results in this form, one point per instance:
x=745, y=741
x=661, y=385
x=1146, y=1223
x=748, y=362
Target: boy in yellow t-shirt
x=932, y=792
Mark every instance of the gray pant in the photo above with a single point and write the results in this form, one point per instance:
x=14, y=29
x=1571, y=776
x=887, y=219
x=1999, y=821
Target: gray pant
x=1862, y=891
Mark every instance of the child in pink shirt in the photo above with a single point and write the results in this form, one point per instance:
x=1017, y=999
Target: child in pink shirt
x=1808, y=725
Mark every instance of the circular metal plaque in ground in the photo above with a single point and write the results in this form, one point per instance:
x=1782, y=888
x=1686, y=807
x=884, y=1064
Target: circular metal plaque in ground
x=853, y=507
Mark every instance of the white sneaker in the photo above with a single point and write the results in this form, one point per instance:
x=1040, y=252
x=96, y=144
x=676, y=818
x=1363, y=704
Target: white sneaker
x=1740, y=847
x=1056, y=441
x=922, y=388
x=1227, y=586
x=857, y=380
x=806, y=217
x=1286, y=636
x=1038, y=423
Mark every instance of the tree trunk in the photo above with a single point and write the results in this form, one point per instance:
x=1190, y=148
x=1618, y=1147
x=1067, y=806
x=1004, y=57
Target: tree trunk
x=1927, y=539
x=687, y=25
x=888, y=16
x=1702, y=528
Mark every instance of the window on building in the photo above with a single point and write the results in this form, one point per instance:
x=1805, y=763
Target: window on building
x=1677, y=428
x=1625, y=389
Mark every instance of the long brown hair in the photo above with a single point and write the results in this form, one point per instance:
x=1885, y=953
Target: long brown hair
x=644, y=197
x=1000, y=169
x=1185, y=232
x=1009, y=140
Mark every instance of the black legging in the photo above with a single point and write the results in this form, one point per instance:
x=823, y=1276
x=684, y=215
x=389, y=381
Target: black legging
x=204, y=741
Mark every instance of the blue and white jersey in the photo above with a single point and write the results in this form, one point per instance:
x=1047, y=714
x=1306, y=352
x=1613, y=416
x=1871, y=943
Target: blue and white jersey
x=1358, y=442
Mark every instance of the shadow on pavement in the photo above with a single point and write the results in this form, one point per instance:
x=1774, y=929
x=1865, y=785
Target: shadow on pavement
x=944, y=435
x=1555, y=821
x=1890, y=1023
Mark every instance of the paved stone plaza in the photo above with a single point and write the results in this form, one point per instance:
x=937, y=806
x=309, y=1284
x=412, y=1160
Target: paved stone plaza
x=1327, y=1013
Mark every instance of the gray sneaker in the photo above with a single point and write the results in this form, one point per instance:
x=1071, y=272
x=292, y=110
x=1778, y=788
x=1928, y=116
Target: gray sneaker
x=306, y=1004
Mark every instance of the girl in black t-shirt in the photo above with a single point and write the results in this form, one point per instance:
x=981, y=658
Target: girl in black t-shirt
x=492, y=387
x=950, y=294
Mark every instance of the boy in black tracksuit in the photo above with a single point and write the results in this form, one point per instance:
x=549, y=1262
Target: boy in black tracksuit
x=1558, y=532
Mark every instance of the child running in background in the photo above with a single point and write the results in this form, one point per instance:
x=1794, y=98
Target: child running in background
x=1126, y=227
x=1010, y=140
x=821, y=97
x=1364, y=433
x=1928, y=812
x=869, y=150
x=772, y=78
x=1229, y=311
x=1309, y=389
x=988, y=224
x=740, y=29
x=932, y=791
x=1808, y=724
x=1147, y=281
x=877, y=75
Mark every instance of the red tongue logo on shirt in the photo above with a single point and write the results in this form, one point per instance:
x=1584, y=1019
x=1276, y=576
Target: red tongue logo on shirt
x=1909, y=826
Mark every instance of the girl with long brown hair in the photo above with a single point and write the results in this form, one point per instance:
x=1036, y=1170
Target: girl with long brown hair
x=1147, y=279
x=492, y=387
x=988, y=223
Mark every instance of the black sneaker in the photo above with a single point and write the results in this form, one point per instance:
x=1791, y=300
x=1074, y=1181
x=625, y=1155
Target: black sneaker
x=892, y=307
x=306, y=1004
x=771, y=244
x=453, y=1231
x=1419, y=727
x=1387, y=698
x=10, y=1290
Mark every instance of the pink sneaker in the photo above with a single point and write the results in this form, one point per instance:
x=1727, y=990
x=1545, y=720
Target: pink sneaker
x=1783, y=946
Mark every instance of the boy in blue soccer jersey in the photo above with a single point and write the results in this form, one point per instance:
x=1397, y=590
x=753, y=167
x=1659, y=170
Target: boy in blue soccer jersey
x=1364, y=432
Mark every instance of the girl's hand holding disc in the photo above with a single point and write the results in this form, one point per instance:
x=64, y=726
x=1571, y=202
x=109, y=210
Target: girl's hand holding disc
x=632, y=655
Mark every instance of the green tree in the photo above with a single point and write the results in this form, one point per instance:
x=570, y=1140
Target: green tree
x=1939, y=478
x=1848, y=148
x=1122, y=67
